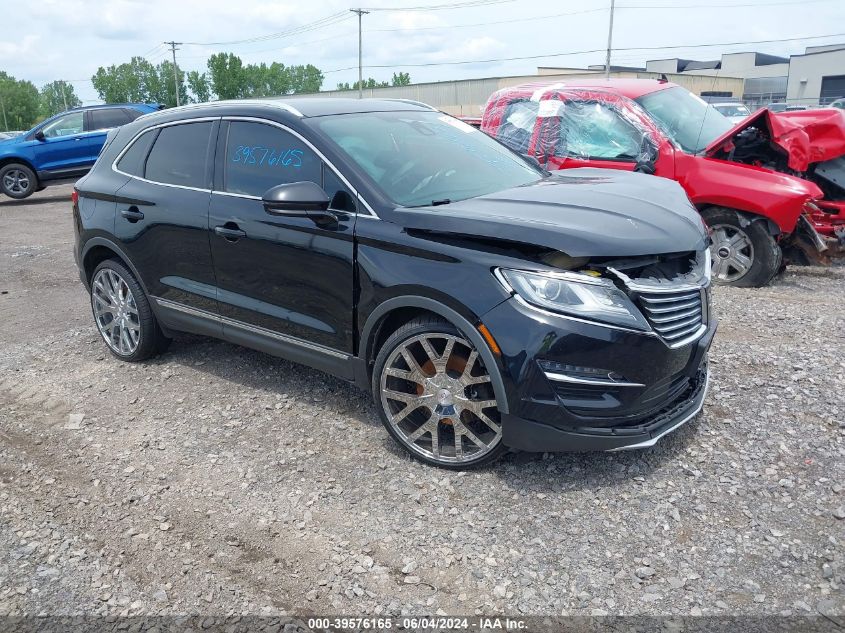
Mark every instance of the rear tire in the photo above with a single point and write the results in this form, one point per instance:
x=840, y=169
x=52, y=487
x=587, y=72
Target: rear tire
x=123, y=315
x=17, y=181
x=435, y=396
x=744, y=254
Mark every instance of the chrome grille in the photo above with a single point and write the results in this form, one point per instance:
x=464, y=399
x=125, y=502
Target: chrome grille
x=675, y=316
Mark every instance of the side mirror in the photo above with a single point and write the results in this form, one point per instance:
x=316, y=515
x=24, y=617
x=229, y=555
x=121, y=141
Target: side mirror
x=647, y=158
x=295, y=197
x=39, y=136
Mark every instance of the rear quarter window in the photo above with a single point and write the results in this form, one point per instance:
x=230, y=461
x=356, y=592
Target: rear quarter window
x=134, y=159
x=180, y=155
x=107, y=118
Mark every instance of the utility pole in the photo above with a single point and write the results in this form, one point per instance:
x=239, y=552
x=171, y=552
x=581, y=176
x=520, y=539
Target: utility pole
x=64, y=96
x=360, y=13
x=609, y=41
x=173, y=50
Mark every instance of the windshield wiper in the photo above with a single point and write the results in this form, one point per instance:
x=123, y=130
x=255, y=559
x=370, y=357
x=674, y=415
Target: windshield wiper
x=437, y=203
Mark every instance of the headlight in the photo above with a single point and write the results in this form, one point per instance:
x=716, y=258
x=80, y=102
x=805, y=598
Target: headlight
x=577, y=295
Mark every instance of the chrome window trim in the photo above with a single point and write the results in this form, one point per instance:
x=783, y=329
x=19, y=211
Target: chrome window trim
x=285, y=128
x=155, y=127
x=292, y=340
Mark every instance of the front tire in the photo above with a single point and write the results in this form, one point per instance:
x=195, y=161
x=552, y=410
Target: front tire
x=18, y=181
x=435, y=397
x=123, y=315
x=743, y=254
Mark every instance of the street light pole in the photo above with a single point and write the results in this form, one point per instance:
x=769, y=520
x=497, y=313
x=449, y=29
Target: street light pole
x=360, y=13
x=609, y=41
x=173, y=50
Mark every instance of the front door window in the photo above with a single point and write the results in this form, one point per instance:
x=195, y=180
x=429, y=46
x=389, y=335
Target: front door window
x=68, y=125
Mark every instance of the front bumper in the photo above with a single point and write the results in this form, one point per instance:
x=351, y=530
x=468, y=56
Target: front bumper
x=659, y=387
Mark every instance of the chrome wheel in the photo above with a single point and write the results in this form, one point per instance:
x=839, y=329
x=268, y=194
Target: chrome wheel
x=731, y=252
x=439, y=400
x=115, y=312
x=16, y=181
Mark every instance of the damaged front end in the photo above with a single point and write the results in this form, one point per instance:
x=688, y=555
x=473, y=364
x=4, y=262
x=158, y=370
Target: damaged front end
x=809, y=145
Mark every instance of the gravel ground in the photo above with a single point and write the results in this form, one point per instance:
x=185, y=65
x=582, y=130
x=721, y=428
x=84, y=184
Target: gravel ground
x=217, y=480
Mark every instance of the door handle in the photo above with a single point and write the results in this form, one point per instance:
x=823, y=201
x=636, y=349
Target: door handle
x=133, y=214
x=231, y=233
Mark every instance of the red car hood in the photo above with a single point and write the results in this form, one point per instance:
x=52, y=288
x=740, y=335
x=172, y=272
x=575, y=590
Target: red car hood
x=807, y=136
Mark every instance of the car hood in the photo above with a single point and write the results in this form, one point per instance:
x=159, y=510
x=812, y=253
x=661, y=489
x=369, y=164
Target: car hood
x=583, y=212
x=807, y=136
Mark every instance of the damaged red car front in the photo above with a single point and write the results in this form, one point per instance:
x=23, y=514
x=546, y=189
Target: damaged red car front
x=761, y=197
x=809, y=144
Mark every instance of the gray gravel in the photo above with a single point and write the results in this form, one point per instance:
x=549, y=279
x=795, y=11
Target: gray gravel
x=217, y=480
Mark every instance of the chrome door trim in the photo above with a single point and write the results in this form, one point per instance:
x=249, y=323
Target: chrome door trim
x=291, y=340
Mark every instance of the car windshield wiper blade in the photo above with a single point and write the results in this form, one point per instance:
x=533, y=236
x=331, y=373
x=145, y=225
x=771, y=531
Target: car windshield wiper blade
x=437, y=203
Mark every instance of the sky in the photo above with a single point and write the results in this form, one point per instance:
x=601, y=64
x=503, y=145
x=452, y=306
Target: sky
x=70, y=39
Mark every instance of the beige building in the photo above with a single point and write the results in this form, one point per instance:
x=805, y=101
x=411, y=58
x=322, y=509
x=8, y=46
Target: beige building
x=467, y=97
x=815, y=78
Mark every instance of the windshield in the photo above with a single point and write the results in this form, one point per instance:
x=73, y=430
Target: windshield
x=732, y=109
x=685, y=118
x=420, y=158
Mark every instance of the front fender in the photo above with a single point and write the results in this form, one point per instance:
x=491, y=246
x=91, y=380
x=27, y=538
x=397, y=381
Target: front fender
x=769, y=194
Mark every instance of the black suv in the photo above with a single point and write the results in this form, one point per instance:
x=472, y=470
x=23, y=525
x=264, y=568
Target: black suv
x=484, y=302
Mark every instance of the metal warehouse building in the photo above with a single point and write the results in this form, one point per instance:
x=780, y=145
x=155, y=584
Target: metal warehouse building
x=815, y=77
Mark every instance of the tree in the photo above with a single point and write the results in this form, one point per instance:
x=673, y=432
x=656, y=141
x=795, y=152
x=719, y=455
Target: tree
x=139, y=81
x=19, y=102
x=228, y=78
x=200, y=86
x=306, y=78
x=57, y=96
x=367, y=83
x=402, y=79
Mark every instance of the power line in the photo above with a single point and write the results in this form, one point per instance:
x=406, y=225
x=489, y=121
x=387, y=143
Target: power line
x=328, y=20
x=764, y=5
x=440, y=7
x=464, y=26
x=584, y=52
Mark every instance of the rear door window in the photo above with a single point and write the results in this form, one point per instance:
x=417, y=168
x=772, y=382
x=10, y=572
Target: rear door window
x=106, y=118
x=180, y=155
x=135, y=158
x=260, y=156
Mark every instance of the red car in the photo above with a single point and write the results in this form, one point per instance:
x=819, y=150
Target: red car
x=771, y=188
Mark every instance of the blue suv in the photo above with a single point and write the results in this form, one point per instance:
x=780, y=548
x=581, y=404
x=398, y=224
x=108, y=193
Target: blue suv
x=61, y=148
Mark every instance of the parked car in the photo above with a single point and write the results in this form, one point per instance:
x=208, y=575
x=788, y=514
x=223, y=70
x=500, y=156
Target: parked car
x=9, y=134
x=482, y=301
x=61, y=148
x=777, y=107
x=734, y=111
x=838, y=104
x=766, y=186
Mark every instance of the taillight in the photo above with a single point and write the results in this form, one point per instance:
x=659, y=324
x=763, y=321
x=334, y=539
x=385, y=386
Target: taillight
x=74, y=197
